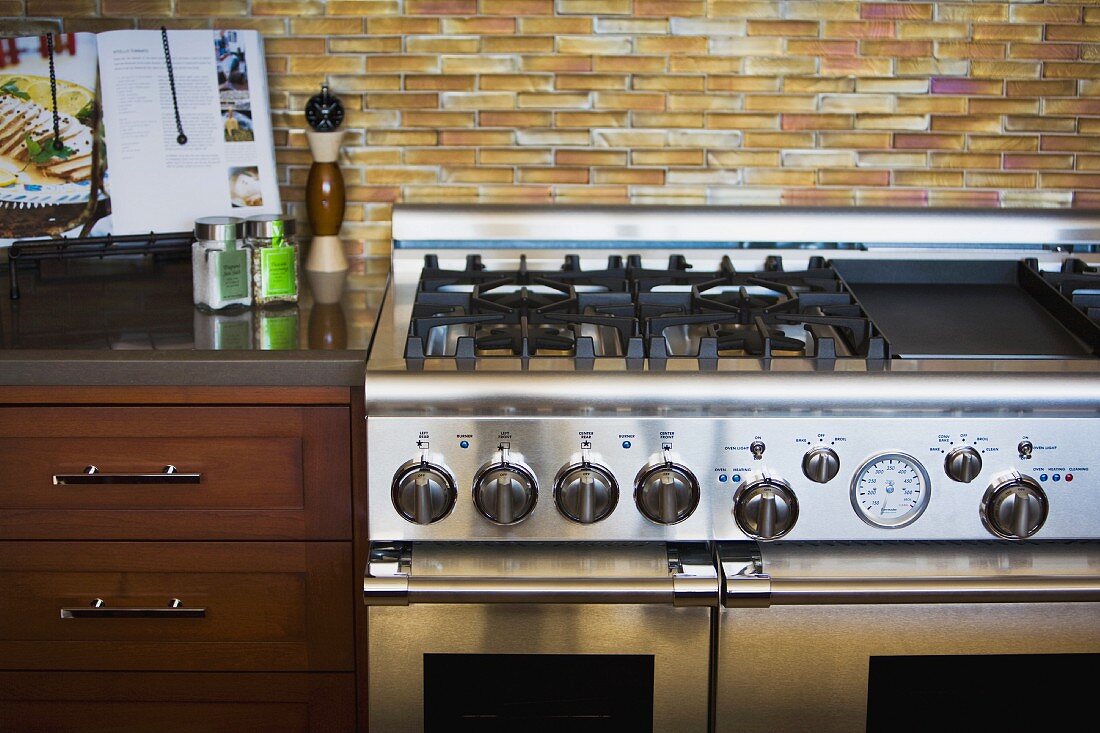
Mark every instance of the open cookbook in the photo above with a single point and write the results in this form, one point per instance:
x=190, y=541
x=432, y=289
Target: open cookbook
x=106, y=157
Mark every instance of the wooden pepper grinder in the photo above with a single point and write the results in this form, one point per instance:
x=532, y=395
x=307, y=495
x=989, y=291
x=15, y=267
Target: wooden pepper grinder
x=325, y=185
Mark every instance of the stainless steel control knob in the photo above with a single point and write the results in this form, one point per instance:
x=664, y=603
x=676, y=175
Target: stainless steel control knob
x=423, y=492
x=765, y=509
x=821, y=464
x=1014, y=507
x=666, y=492
x=586, y=492
x=505, y=492
x=963, y=464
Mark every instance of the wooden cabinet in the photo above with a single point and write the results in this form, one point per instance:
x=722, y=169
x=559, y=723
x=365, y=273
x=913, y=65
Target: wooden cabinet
x=133, y=702
x=243, y=473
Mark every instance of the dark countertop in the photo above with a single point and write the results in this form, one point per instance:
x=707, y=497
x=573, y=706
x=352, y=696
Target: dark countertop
x=126, y=321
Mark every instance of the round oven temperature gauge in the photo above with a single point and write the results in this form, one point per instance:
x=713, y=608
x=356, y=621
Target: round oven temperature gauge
x=890, y=490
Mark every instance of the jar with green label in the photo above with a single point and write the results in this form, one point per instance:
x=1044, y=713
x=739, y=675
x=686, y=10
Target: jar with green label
x=274, y=259
x=221, y=265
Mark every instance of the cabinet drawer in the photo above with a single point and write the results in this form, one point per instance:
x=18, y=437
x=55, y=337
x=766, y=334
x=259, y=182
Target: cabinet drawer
x=243, y=606
x=125, y=702
x=242, y=473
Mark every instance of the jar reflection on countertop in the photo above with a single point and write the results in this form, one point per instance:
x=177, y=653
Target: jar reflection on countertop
x=274, y=259
x=220, y=264
x=277, y=329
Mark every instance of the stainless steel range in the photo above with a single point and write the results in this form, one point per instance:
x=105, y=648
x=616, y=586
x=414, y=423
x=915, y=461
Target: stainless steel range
x=731, y=469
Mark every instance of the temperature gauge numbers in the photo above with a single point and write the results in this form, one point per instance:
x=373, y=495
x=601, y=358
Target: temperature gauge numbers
x=890, y=490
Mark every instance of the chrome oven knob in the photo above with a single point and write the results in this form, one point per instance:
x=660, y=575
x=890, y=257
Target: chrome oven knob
x=423, y=492
x=1014, y=507
x=666, y=492
x=963, y=464
x=765, y=508
x=586, y=492
x=505, y=492
x=821, y=464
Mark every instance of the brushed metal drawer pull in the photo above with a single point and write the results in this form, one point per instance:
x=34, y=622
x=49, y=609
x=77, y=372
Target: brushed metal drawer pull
x=98, y=608
x=92, y=475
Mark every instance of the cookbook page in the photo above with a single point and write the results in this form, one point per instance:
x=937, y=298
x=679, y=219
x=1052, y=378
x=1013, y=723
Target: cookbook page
x=48, y=189
x=227, y=165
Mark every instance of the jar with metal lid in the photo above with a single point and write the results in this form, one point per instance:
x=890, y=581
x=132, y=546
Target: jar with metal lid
x=274, y=258
x=221, y=265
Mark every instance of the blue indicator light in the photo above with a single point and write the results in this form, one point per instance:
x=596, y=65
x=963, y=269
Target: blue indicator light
x=736, y=477
x=1043, y=477
x=722, y=478
x=1056, y=477
x=464, y=444
x=626, y=444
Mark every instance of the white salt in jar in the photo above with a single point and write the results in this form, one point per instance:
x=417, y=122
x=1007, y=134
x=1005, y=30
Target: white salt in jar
x=221, y=266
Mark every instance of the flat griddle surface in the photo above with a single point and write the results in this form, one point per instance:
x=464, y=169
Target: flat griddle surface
x=958, y=309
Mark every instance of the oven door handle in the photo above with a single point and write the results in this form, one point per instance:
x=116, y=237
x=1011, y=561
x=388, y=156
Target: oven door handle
x=761, y=590
x=692, y=581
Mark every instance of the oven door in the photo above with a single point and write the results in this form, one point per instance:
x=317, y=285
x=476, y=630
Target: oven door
x=907, y=636
x=540, y=637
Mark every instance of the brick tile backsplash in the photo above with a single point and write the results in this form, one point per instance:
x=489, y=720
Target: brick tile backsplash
x=955, y=103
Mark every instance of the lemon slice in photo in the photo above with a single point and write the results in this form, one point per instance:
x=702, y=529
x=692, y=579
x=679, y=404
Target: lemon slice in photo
x=72, y=99
x=7, y=178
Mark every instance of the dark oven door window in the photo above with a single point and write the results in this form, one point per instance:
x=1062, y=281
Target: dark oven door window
x=1005, y=692
x=579, y=693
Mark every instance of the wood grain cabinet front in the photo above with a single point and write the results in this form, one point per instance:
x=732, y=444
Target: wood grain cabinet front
x=177, y=606
x=129, y=702
x=167, y=473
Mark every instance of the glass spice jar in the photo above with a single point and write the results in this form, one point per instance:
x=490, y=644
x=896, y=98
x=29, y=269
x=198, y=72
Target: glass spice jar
x=274, y=259
x=220, y=265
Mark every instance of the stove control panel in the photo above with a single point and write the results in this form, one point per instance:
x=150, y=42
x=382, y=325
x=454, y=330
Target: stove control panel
x=770, y=479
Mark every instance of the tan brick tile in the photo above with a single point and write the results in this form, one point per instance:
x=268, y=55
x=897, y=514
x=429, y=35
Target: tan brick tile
x=818, y=158
x=1092, y=15
x=442, y=83
x=401, y=174
x=556, y=63
x=779, y=177
x=402, y=63
x=742, y=121
x=670, y=44
x=707, y=27
x=597, y=45
x=934, y=31
x=783, y=28
x=667, y=157
x=638, y=64
x=553, y=175
x=931, y=67
x=1004, y=106
x=1062, y=51
x=514, y=156
x=988, y=143
x=325, y=26
x=465, y=174
x=536, y=100
x=860, y=29
x=294, y=45
x=812, y=10
x=814, y=84
x=1089, y=33
x=491, y=118
x=517, y=44
x=630, y=176
x=1040, y=124
x=891, y=159
x=552, y=137
x=127, y=8
x=816, y=122
x=1088, y=162
x=629, y=100
x=747, y=158
x=555, y=26
x=932, y=179
x=1046, y=13
x=1078, y=143
x=438, y=156
x=895, y=49
x=1059, y=70
x=478, y=100
x=516, y=82
x=1071, y=106
x=679, y=8
x=478, y=26
x=632, y=26
x=515, y=8
x=441, y=7
x=402, y=26
x=965, y=160
x=891, y=122
x=1090, y=126
x=402, y=137
x=1090, y=52
x=929, y=141
x=856, y=67
x=780, y=102
x=704, y=103
x=630, y=138
x=1005, y=69
x=1008, y=32
x=1038, y=162
x=855, y=140
x=1086, y=181
x=669, y=83
x=778, y=140
x=590, y=157
x=590, y=81
x=406, y=100
x=440, y=44
x=593, y=7
x=361, y=7
x=184, y=8
x=590, y=119
x=901, y=11
x=372, y=193
x=926, y=105
x=705, y=64
x=969, y=123
x=777, y=66
x=965, y=50
x=481, y=64
x=700, y=139
x=858, y=103
x=981, y=179
x=736, y=46
x=844, y=177
x=1046, y=88
x=979, y=12
x=476, y=138
x=698, y=176
x=668, y=119
x=435, y=119
x=295, y=7
x=741, y=9
x=368, y=156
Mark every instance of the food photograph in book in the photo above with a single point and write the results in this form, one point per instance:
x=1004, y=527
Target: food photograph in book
x=52, y=162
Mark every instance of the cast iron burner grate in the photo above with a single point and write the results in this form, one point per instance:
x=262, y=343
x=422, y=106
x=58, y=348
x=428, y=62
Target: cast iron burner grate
x=631, y=312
